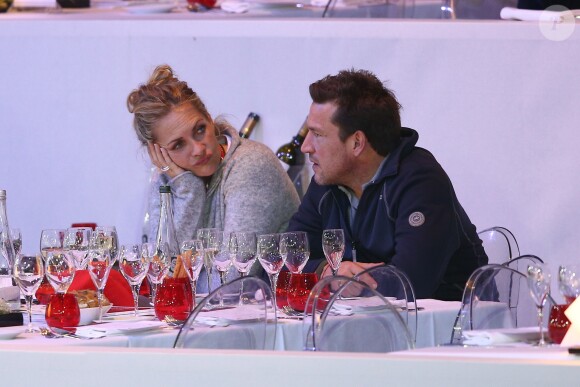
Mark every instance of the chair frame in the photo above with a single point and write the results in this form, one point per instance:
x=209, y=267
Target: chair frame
x=319, y=318
x=511, y=241
x=267, y=292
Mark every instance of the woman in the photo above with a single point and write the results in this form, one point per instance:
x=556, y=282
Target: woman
x=217, y=179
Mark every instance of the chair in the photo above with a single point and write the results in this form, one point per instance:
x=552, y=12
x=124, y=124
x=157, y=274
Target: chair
x=491, y=300
x=393, y=283
x=240, y=311
x=342, y=322
x=499, y=244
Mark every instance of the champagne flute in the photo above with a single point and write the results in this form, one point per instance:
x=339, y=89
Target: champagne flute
x=99, y=267
x=134, y=265
x=333, y=247
x=60, y=270
x=28, y=272
x=539, y=282
x=16, y=237
x=106, y=237
x=268, y=251
x=159, y=264
x=192, y=259
x=51, y=240
x=295, y=249
x=569, y=282
x=76, y=244
x=209, y=237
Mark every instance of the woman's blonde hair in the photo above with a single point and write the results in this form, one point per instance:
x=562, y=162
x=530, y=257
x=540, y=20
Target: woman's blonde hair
x=154, y=100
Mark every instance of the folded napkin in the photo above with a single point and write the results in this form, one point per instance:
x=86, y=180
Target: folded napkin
x=118, y=328
x=534, y=15
x=501, y=336
x=212, y=321
x=235, y=6
x=10, y=293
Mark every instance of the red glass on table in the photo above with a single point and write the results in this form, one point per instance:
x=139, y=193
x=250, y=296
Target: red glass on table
x=558, y=323
x=173, y=299
x=282, y=289
x=44, y=292
x=299, y=290
x=63, y=312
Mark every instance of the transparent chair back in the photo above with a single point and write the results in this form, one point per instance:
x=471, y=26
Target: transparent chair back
x=499, y=244
x=495, y=296
x=394, y=284
x=391, y=9
x=236, y=315
x=347, y=315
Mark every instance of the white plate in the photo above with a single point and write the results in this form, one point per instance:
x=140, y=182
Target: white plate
x=150, y=8
x=88, y=315
x=10, y=333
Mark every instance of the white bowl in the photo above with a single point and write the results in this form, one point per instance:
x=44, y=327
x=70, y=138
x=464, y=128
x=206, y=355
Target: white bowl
x=88, y=315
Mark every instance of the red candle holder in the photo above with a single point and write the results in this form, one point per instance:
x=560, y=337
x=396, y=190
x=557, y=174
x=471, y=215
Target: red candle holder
x=173, y=298
x=558, y=323
x=63, y=312
x=299, y=290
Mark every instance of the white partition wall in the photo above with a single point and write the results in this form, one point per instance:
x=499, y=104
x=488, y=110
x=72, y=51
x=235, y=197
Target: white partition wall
x=496, y=102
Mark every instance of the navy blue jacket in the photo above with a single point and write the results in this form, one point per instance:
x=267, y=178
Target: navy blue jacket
x=408, y=217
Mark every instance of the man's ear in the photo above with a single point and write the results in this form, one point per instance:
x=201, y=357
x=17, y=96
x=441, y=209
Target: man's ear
x=359, y=142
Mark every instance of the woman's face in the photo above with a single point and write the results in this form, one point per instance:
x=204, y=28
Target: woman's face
x=190, y=139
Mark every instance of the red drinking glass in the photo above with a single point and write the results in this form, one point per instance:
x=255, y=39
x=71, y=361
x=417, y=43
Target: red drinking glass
x=173, y=298
x=282, y=289
x=299, y=289
x=44, y=292
x=63, y=312
x=558, y=323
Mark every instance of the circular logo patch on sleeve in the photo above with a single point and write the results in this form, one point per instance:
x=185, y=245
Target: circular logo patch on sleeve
x=416, y=219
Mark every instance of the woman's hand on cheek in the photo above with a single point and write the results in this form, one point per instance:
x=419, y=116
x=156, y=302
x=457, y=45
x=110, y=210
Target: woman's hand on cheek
x=161, y=159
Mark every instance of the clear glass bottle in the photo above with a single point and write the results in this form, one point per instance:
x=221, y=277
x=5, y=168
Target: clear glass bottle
x=249, y=124
x=7, y=255
x=166, y=243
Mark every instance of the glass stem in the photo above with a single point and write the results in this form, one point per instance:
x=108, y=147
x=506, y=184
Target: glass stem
x=29, y=310
x=540, y=324
x=153, y=293
x=100, y=300
x=273, y=280
x=193, y=290
x=208, y=272
x=135, y=289
x=242, y=275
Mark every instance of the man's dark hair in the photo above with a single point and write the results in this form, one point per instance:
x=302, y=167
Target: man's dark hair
x=363, y=103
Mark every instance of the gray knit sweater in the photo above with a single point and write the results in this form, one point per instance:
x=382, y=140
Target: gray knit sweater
x=250, y=191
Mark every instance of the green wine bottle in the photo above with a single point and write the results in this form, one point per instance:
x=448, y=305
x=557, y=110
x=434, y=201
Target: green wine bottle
x=249, y=124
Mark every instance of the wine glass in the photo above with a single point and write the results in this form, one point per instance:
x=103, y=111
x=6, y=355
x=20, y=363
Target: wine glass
x=99, y=267
x=569, y=282
x=51, y=240
x=60, y=270
x=76, y=244
x=295, y=250
x=539, y=282
x=333, y=247
x=243, y=251
x=192, y=259
x=28, y=271
x=16, y=237
x=210, y=238
x=268, y=250
x=159, y=264
x=106, y=238
x=134, y=265
x=222, y=260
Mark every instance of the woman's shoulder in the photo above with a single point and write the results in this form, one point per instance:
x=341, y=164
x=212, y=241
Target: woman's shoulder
x=253, y=150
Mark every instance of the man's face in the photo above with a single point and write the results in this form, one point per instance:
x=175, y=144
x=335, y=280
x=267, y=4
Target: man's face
x=326, y=151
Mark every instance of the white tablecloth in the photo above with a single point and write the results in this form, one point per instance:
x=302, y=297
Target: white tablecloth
x=435, y=323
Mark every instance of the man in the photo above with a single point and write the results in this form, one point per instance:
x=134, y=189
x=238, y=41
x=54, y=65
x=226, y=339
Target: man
x=393, y=200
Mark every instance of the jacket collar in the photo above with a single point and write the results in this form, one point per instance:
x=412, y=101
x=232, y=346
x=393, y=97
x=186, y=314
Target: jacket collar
x=409, y=138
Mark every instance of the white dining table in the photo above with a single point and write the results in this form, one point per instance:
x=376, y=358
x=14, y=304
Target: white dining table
x=435, y=321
